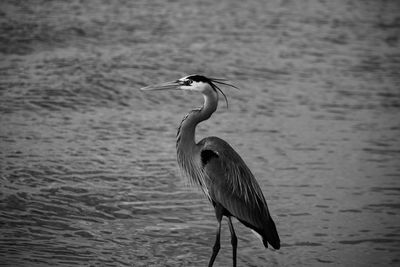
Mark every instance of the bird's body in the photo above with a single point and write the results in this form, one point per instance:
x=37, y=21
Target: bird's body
x=240, y=197
x=220, y=172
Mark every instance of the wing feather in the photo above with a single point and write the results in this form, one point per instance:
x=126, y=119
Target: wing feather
x=232, y=185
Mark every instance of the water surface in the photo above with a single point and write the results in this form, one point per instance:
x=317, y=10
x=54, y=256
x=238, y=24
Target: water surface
x=88, y=172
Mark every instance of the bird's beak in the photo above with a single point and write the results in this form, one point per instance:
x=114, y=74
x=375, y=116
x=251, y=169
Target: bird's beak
x=162, y=86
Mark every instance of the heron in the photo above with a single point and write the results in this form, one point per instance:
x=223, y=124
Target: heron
x=217, y=168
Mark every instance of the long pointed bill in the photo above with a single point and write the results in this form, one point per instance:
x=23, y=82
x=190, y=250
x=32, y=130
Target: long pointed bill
x=162, y=86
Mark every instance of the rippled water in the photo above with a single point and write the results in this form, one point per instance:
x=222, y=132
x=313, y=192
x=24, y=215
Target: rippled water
x=88, y=172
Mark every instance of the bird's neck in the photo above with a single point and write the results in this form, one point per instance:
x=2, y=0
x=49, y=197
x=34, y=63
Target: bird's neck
x=186, y=132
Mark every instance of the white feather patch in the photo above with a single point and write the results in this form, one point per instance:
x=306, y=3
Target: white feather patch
x=257, y=235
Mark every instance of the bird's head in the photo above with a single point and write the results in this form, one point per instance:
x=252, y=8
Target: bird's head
x=193, y=82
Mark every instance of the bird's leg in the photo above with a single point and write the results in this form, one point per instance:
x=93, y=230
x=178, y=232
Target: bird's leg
x=233, y=241
x=217, y=245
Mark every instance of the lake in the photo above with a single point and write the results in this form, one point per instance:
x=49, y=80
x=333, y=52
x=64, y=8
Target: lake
x=88, y=162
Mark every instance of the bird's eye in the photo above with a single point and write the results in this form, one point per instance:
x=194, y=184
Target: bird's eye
x=187, y=82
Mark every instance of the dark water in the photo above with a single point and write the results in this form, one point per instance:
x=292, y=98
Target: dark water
x=88, y=172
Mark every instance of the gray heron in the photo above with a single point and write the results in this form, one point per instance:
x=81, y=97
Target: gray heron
x=218, y=169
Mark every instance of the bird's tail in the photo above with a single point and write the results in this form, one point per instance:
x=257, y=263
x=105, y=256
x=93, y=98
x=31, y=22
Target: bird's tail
x=270, y=235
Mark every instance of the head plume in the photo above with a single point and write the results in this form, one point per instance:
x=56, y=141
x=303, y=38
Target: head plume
x=213, y=82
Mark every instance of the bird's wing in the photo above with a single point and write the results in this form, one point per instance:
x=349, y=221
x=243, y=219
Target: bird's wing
x=232, y=185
